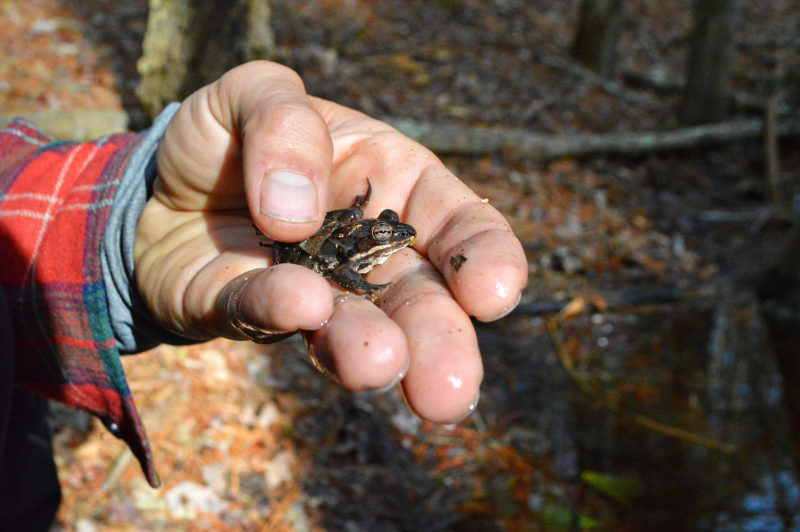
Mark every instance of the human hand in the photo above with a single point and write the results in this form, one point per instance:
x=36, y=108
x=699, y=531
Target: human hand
x=254, y=147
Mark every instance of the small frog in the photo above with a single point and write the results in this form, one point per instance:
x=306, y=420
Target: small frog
x=349, y=245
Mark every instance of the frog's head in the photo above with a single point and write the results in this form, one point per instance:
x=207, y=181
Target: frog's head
x=377, y=239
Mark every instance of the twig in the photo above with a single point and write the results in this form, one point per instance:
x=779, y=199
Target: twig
x=771, y=149
x=579, y=380
x=681, y=434
x=119, y=466
x=757, y=217
x=587, y=75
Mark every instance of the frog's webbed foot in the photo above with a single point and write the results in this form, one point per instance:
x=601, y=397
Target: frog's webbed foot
x=351, y=281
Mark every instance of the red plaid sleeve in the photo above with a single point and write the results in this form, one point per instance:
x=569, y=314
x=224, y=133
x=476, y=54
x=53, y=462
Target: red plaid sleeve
x=55, y=200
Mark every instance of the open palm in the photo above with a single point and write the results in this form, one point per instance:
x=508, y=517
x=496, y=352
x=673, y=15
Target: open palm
x=255, y=148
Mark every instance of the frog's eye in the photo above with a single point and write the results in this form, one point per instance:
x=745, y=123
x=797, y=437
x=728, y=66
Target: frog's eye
x=389, y=215
x=382, y=232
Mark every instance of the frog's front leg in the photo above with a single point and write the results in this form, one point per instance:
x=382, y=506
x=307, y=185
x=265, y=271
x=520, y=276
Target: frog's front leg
x=352, y=281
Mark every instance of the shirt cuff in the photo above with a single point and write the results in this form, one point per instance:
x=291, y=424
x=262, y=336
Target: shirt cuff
x=135, y=328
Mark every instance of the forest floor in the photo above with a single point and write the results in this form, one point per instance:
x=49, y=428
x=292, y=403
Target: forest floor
x=252, y=438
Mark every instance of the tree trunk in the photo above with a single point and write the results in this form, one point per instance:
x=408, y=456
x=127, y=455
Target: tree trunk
x=706, y=93
x=779, y=291
x=190, y=43
x=599, y=27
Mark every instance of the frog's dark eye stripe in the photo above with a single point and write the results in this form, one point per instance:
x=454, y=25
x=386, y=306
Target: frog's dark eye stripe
x=382, y=232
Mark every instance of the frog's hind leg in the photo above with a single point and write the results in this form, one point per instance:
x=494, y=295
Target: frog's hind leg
x=361, y=201
x=351, y=281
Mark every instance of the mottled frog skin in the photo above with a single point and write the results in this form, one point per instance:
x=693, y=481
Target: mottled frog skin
x=349, y=245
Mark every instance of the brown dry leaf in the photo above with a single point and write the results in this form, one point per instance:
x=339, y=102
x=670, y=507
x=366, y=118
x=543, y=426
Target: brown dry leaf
x=582, y=304
x=279, y=470
x=403, y=61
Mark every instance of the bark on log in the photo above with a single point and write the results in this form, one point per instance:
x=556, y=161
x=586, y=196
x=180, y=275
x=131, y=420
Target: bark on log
x=520, y=143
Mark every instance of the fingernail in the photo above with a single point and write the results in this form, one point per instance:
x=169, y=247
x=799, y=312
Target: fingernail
x=463, y=416
x=400, y=376
x=288, y=196
x=320, y=358
x=506, y=311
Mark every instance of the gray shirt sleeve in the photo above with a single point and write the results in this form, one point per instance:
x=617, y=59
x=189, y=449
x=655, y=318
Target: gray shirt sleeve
x=135, y=329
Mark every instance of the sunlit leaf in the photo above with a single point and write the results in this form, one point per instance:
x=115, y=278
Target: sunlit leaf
x=557, y=516
x=621, y=488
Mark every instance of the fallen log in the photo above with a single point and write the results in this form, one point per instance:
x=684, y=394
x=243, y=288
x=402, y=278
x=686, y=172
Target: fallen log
x=81, y=124
x=524, y=144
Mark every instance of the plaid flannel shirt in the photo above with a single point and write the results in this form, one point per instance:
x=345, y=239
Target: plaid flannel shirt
x=55, y=201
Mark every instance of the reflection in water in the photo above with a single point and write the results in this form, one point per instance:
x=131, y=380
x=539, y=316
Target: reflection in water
x=708, y=374
x=765, y=509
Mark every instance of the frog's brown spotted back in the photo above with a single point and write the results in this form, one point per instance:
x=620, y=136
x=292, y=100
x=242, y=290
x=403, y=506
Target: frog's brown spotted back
x=349, y=245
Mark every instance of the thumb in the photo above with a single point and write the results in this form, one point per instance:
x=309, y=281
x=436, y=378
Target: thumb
x=286, y=149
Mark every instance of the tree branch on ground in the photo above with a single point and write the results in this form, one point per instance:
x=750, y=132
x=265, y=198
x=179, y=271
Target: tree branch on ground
x=471, y=140
x=520, y=143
